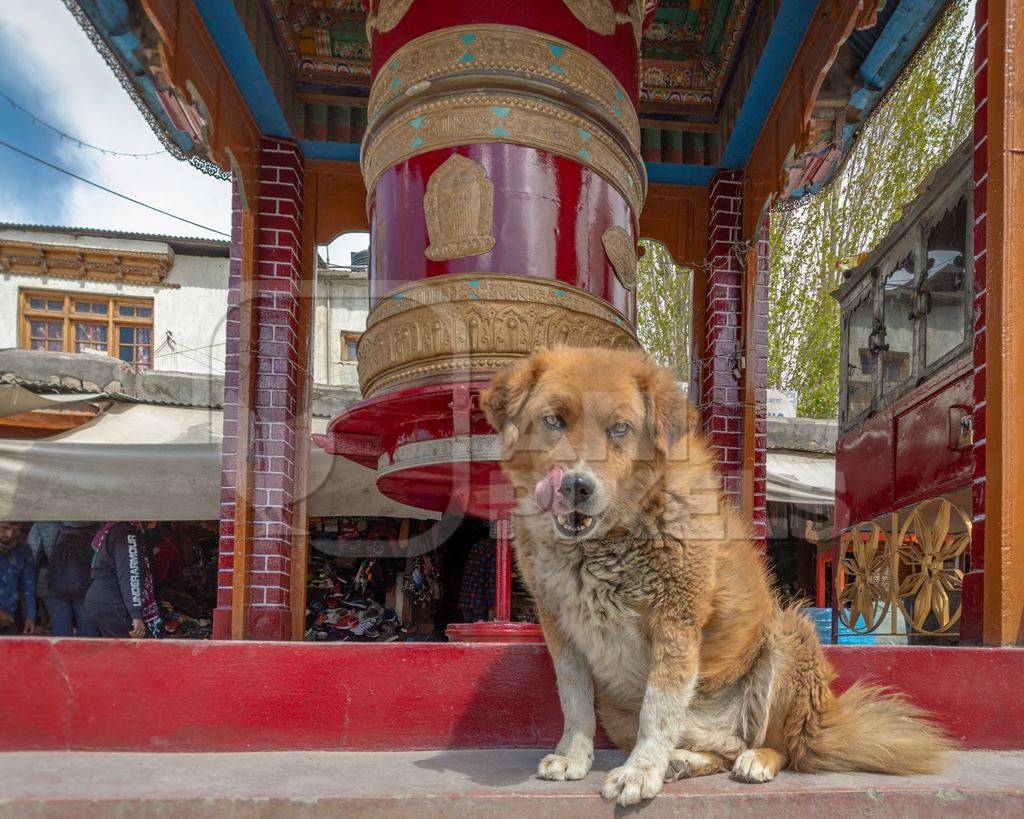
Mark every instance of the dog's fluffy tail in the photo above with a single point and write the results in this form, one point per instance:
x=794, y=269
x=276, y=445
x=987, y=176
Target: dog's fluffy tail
x=867, y=728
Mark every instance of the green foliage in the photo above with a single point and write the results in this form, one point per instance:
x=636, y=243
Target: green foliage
x=664, y=308
x=917, y=126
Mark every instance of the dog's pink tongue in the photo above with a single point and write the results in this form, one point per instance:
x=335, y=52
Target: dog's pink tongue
x=546, y=491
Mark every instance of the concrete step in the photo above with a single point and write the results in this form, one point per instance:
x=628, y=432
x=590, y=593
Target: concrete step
x=424, y=784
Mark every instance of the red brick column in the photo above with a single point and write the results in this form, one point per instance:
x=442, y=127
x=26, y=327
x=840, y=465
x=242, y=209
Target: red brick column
x=973, y=588
x=271, y=351
x=720, y=404
x=757, y=372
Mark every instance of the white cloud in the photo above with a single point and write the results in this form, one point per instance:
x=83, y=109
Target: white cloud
x=85, y=98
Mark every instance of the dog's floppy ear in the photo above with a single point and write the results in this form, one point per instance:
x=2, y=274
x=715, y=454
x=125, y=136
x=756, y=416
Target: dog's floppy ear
x=508, y=391
x=669, y=414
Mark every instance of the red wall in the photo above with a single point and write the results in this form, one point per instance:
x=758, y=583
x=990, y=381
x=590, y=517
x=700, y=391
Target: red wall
x=223, y=696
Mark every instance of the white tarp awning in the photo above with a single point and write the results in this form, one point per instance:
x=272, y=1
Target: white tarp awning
x=147, y=462
x=801, y=477
x=15, y=399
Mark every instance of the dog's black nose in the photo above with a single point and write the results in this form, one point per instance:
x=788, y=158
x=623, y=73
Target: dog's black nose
x=576, y=489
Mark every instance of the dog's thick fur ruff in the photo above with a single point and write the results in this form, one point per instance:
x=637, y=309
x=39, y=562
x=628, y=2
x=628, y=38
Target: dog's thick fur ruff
x=664, y=612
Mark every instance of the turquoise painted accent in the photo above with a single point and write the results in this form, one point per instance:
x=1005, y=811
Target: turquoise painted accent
x=500, y=130
x=556, y=68
x=499, y=112
x=395, y=82
x=467, y=58
x=416, y=142
x=557, y=50
x=397, y=296
x=560, y=293
x=618, y=95
x=475, y=283
x=584, y=134
x=467, y=38
x=416, y=122
x=583, y=153
x=394, y=65
x=618, y=111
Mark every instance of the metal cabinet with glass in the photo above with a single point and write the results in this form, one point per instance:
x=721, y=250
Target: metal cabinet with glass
x=904, y=456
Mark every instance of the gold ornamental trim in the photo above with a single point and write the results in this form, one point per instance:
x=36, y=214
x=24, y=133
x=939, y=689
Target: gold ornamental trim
x=459, y=209
x=486, y=118
x=597, y=15
x=490, y=48
x=620, y=249
x=480, y=322
x=389, y=14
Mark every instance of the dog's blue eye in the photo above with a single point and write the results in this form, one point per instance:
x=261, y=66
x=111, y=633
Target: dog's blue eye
x=620, y=430
x=553, y=422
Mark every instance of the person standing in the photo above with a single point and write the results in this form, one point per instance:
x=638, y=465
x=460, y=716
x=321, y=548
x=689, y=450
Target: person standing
x=122, y=597
x=17, y=580
x=63, y=554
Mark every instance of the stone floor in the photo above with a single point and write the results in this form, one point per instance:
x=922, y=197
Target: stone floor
x=467, y=783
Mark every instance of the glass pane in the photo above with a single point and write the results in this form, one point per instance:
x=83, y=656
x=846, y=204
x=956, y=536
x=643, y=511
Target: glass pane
x=99, y=308
x=90, y=337
x=352, y=348
x=142, y=356
x=945, y=324
x=125, y=352
x=83, y=307
x=37, y=304
x=126, y=335
x=861, y=363
x=143, y=312
x=125, y=310
x=142, y=335
x=56, y=305
x=897, y=305
x=46, y=335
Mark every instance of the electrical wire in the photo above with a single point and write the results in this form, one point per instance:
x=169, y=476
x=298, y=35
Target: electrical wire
x=108, y=190
x=79, y=142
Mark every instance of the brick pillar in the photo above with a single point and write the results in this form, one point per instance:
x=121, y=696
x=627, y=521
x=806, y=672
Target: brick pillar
x=973, y=588
x=757, y=375
x=722, y=411
x=262, y=347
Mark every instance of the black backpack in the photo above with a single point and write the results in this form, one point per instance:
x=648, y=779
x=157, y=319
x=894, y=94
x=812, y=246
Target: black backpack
x=69, y=572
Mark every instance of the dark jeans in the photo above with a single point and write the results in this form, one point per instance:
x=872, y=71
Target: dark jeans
x=107, y=611
x=67, y=614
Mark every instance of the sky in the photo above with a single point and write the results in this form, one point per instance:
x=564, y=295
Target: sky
x=49, y=66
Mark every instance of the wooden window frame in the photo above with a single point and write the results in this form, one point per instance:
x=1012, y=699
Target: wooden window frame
x=69, y=317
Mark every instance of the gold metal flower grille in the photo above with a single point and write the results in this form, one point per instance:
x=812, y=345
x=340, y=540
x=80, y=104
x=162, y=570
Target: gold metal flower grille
x=865, y=597
x=930, y=559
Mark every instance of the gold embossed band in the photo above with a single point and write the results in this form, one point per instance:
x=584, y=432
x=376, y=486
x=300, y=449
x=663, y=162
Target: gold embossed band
x=519, y=51
x=478, y=321
x=475, y=118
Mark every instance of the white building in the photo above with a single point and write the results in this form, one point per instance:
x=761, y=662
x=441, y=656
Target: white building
x=156, y=302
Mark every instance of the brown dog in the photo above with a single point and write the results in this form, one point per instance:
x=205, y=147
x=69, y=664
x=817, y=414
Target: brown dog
x=653, y=598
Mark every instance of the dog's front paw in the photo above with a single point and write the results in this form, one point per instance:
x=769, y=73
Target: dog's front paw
x=559, y=768
x=631, y=783
x=750, y=767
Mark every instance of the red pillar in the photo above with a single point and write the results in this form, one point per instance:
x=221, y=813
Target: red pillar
x=262, y=343
x=722, y=411
x=973, y=587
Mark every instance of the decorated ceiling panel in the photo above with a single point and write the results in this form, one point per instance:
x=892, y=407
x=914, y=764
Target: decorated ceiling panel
x=688, y=50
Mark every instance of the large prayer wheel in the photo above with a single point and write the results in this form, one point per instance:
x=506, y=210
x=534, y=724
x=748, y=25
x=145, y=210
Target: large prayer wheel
x=502, y=161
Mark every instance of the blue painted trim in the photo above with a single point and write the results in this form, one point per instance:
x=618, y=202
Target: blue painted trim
x=787, y=32
x=345, y=151
x=673, y=174
x=110, y=18
x=231, y=39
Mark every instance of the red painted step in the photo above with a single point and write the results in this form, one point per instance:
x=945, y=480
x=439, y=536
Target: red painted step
x=110, y=695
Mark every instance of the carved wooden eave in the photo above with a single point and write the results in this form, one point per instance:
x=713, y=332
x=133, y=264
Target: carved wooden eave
x=85, y=263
